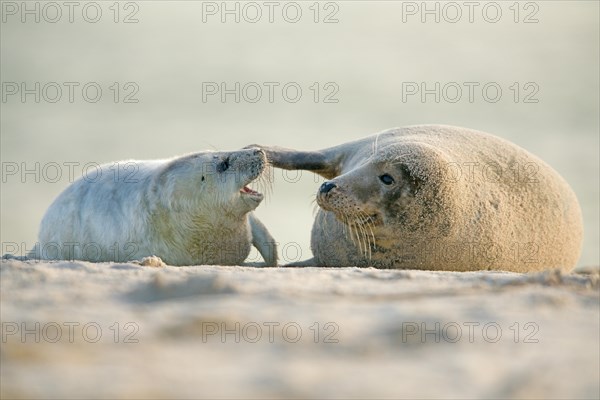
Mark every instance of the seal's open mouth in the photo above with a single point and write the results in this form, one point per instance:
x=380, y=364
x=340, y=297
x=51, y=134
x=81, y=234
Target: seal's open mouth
x=246, y=191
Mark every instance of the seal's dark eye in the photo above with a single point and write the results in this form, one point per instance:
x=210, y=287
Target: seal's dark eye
x=386, y=179
x=223, y=165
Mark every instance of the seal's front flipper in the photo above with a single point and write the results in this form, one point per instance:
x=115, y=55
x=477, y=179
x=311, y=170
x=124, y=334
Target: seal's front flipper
x=263, y=241
x=324, y=163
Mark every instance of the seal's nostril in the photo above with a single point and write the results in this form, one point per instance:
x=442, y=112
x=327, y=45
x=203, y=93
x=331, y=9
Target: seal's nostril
x=326, y=187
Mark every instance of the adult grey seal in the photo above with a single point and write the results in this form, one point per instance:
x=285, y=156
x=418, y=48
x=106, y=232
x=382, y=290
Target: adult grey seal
x=189, y=210
x=438, y=198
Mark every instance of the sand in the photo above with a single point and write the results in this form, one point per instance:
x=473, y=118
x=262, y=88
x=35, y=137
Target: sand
x=121, y=330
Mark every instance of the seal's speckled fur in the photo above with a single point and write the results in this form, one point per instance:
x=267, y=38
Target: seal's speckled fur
x=454, y=199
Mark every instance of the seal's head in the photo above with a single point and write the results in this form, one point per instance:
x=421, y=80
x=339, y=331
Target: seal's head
x=379, y=192
x=399, y=190
x=215, y=179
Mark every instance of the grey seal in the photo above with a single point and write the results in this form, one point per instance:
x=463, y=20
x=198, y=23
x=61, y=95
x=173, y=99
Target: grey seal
x=438, y=197
x=188, y=210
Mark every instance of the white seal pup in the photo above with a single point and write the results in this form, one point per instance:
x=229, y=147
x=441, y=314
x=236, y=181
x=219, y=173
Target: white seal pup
x=189, y=210
x=438, y=198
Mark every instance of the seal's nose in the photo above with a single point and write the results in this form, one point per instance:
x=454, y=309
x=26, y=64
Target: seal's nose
x=326, y=187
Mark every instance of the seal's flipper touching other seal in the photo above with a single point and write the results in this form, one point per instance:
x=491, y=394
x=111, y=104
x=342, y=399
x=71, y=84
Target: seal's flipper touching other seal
x=325, y=163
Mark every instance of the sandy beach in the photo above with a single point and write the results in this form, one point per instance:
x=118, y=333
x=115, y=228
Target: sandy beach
x=85, y=330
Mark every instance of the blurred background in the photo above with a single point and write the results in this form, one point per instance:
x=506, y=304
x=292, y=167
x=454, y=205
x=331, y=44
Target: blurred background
x=338, y=71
